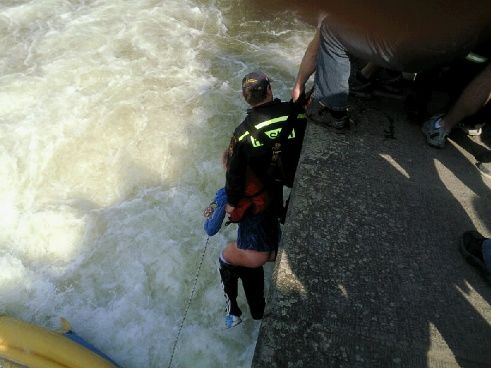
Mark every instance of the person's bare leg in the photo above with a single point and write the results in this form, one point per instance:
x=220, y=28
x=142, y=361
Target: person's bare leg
x=473, y=97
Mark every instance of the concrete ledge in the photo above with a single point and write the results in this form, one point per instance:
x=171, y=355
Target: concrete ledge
x=370, y=274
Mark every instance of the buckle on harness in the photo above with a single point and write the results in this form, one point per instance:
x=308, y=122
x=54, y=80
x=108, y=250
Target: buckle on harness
x=276, y=151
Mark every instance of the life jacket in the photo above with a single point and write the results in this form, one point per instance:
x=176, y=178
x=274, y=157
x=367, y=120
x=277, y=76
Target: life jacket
x=256, y=198
x=277, y=142
x=283, y=147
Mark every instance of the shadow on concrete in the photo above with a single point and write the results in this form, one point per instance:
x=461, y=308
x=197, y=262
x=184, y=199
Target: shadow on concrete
x=370, y=274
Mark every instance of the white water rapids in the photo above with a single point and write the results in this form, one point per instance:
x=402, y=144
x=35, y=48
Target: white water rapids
x=113, y=117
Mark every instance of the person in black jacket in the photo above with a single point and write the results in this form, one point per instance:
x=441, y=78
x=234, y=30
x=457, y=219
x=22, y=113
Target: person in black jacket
x=259, y=154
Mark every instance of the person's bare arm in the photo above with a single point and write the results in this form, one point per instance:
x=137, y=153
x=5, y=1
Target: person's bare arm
x=307, y=66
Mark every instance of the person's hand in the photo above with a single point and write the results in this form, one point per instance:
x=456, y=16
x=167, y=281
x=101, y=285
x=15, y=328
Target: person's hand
x=297, y=91
x=229, y=209
x=208, y=212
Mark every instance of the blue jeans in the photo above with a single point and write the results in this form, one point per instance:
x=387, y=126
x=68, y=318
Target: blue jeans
x=486, y=253
x=333, y=70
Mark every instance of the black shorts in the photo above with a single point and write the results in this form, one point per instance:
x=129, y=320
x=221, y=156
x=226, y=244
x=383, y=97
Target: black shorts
x=259, y=232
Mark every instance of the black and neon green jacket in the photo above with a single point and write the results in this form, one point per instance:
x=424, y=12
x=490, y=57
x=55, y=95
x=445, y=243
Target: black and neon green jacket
x=247, y=151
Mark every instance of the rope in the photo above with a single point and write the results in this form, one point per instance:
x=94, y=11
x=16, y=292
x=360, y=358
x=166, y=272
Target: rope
x=196, y=277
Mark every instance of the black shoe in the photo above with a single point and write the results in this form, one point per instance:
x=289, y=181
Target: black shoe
x=471, y=249
x=319, y=113
x=361, y=86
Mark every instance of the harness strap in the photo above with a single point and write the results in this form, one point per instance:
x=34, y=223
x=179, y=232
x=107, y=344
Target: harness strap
x=285, y=130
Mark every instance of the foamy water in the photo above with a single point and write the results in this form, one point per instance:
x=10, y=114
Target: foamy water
x=113, y=117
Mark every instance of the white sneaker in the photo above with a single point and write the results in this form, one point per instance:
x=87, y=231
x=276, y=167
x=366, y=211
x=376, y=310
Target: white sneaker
x=472, y=130
x=232, y=321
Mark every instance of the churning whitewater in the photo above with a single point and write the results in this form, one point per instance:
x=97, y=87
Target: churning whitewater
x=113, y=118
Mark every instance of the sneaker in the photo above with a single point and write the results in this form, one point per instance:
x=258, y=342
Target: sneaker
x=484, y=168
x=435, y=137
x=471, y=249
x=360, y=86
x=319, y=113
x=232, y=321
x=474, y=130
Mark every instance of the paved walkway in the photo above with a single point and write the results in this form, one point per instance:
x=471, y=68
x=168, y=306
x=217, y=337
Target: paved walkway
x=370, y=274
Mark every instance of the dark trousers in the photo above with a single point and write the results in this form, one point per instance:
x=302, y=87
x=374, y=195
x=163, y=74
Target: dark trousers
x=253, y=284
